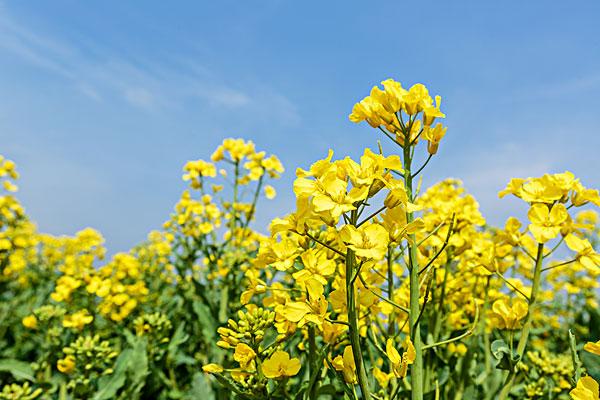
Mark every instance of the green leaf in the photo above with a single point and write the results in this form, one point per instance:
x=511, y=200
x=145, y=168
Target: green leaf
x=179, y=338
x=200, y=388
x=328, y=389
x=505, y=359
x=19, y=369
x=207, y=323
x=138, y=366
x=110, y=385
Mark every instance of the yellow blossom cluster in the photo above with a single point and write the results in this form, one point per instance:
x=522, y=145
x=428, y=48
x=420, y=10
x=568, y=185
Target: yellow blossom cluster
x=372, y=287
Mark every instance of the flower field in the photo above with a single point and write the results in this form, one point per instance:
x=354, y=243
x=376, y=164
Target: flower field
x=372, y=287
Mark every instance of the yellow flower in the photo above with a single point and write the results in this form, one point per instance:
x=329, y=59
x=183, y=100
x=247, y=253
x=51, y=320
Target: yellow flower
x=280, y=365
x=546, y=223
x=587, y=389
x=507, y=316
x=312, y=310
x=345, y=363
x=212, y=368
x=546, y=189
x=400, y=364
x=195, y=170
x=586, y=254
x=330, y=193
x=460, y=349
x=270, y=192
x=592, y=347
x=581, y=195
x=434, y=136
x=9, y=186
x=382, y=378
x=316, y=265
x=77, y=320
x=29, y=322
x=368, y=241
x=394, y=222
x=432, y=112
x=66, y=365
x=244, y=354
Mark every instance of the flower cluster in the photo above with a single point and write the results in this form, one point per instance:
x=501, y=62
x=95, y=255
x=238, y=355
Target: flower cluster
x=372, y=287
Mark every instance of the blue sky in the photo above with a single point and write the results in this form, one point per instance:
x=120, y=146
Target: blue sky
x=101, y=103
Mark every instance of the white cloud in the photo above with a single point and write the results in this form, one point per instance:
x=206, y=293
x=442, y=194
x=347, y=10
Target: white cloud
x=143, y=84
x=140, y=97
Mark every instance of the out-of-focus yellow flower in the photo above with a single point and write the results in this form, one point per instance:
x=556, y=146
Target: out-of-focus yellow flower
x=586, y=254
x=77, y=320
x=212, y=368
x=30, y=322
x=66, y=365
x=195, y=170
x=587, y=389
x=592, y=347
x=9, y=186
x=459, y=349
x=382, y=378
x=270, y=192
x=280, y=365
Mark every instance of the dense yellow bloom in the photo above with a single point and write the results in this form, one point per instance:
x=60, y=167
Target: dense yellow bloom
x=330, y=193
x=78, y=320
x=237, y=149
x=383, y=109
x=587, y=389
x=244, y=355
x=546, y=189
x=196, y=170
x=280, y=365
x=507, y=316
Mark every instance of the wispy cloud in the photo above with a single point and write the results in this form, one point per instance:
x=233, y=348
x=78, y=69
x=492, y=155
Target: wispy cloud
x=146, y=85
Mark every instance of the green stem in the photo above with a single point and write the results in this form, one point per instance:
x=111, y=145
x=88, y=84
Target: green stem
x=353, y=321
x=390, y=283
x=415, y=328
x=312, y=362
x=482, y=331
x=528, y=319
x=224, y=303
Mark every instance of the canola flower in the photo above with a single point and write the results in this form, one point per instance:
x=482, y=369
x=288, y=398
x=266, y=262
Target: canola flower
x=372, y=287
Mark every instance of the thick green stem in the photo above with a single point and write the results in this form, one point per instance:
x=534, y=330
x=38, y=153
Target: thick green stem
x=535, y=287
x=415, y=329
x=353, y=324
